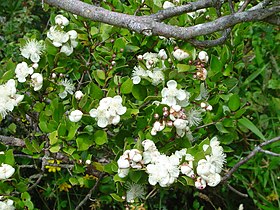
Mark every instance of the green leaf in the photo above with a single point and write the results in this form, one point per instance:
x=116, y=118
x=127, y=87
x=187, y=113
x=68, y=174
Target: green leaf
x=274, y=84
x=53, y=137
x=139, y=92
x=117, y=197
x=126, y=87
x=220, y=127
x=183, y=67
x=248, y=124
x=234, y=102
x=84, y=142
x=100, y=137
x=9, y=157
x=55, y=148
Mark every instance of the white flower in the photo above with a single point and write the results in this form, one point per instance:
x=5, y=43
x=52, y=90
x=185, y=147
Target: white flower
x=32, y=50
x=108, y=111
x=194, y=116
x=167, y=4
x=157, y=127
x=123, y=172
x=123, y=162
x=156, y=75
x=37, y=81
x=61, y=20
x=67, y=49
x=78, y=95
x=187, y=169
x=134, y=191
x=212, y=179
x=88, y=162
x=8, y=98
x=180, y=54
x=205, y=168
x=68, y=88
x=151, y=59
x=6, y=171
x=203, y=56
x=102, y=116
x=58, y=37
x=172, y=96
x=7, y=205
x=162, y=54
x=22, y=71
x=75, y=116
x=164, y=171
x=73, y=34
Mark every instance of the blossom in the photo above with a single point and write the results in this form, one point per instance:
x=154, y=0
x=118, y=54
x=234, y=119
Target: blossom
x=61, y=20
x=8, y=98
x=194, y=116
x=156, y=75
x=68, y=88
x=157, y=127
x=164, y=171
x=134, y=191
x=167, y=4
x=32, y=50
x=37, y=81
x=75, y=116
x=129, y=159
x=180, y=54
x=6, y=171
x=67, y=49
x=201, y=74
x=172, y=96
x=7, y=204
x=203, y=56
x=137, y=73
x=22, y=71
x=78, y=95
x=162, y=54
x=109, y=111
x=151, y=59
x=58, y=37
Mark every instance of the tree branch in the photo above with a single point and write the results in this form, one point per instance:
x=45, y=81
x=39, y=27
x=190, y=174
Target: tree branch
x=150, y=25
x=251, y=154
x=11, y=141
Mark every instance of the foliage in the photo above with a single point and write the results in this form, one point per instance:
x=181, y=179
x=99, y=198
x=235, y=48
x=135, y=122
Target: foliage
x=63, y=159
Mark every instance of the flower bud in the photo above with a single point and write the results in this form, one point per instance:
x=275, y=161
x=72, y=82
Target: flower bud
x=79, y=94
x=203, y=56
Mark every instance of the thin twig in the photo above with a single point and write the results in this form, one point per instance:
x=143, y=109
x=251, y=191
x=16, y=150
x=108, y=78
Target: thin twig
x=236, y=191
x=89, y=193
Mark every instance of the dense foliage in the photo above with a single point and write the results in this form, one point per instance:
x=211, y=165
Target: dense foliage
x=84, y=102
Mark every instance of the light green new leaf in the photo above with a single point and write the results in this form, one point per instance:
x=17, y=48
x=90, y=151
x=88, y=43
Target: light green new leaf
x=100, y=137
x=248, y=124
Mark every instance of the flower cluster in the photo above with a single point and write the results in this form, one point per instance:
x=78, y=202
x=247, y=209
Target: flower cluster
x=6, y=171
x=23, y=70
x=129, y=159
x=154, y=64
x=109, y=111
x=66, y=40
x=6, y=204
x=8, y=98
x=209, y=169
x=201, y=72
x=165, y=170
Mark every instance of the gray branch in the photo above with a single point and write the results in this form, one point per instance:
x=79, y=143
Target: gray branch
x=256, y=150
x=151, y=25
x=11, y=141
